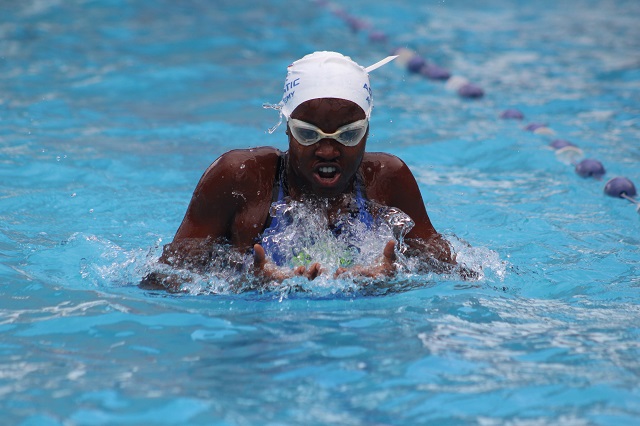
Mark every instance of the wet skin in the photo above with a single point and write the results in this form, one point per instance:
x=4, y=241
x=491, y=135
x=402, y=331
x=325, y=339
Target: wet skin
x=233, y=197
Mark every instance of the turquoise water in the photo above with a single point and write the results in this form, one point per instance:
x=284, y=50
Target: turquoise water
x=110, y=112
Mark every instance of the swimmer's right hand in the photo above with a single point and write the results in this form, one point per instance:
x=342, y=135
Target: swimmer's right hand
x=385, y=266
x=264, y=268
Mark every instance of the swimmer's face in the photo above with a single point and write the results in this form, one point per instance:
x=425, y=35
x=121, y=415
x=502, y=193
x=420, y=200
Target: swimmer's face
x=327, y=166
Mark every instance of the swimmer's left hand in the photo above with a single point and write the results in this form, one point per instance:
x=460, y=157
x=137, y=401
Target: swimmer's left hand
x=384, y=268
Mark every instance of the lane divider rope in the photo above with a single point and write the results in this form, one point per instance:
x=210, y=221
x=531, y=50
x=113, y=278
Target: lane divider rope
x=567, y=152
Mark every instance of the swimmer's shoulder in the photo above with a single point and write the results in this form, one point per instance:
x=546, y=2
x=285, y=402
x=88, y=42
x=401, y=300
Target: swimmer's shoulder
x=242, y=164
x=237, y=158
x=383, y=175
x=381, y=164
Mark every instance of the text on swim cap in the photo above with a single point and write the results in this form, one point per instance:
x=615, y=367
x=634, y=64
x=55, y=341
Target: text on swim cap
x=288, y=97
x=291, y=84
x=368, y=89
x=288, y=86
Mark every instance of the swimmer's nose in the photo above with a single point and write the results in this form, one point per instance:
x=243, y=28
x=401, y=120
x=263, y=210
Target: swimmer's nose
x=327, y=149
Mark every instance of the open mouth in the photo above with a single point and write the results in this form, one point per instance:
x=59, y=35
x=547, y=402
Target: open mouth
x=327, y=172
x=327, y=175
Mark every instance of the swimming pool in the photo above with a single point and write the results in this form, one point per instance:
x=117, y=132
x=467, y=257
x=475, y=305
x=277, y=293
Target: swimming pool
x=111, y=110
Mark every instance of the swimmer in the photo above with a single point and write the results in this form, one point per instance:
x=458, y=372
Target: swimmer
x=327, y=104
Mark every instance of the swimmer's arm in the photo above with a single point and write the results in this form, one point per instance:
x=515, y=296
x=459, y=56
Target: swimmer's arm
x=436, y=247
x=423, y=239
x=192, y=254
x=159, y=281
x=214, y=202
x=208, y=217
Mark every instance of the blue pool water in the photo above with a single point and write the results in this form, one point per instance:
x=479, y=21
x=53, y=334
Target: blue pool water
x=111, y=110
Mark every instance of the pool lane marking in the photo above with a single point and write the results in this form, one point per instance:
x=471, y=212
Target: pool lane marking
x=408, y=58
x=567, y=152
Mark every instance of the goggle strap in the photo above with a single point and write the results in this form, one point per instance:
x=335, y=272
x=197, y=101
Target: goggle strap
x=380, y=63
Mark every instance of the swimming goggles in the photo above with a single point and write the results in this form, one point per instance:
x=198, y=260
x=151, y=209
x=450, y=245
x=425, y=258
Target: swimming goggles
x=308, y=134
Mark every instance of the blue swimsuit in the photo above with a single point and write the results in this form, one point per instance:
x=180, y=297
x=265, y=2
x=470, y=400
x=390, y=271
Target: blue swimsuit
x=276, y=224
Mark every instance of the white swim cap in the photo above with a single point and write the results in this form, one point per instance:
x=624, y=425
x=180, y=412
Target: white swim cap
x=328, y=75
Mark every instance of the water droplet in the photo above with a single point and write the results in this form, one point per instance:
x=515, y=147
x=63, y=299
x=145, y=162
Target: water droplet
x=242, y=166
x=91, y=211
x=238, y=194
x=73, y=195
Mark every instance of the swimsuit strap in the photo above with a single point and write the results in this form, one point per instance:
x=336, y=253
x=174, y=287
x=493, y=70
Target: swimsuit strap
x=279, y=188
x=281, y=179
x=361, y=200
x=273, y=223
